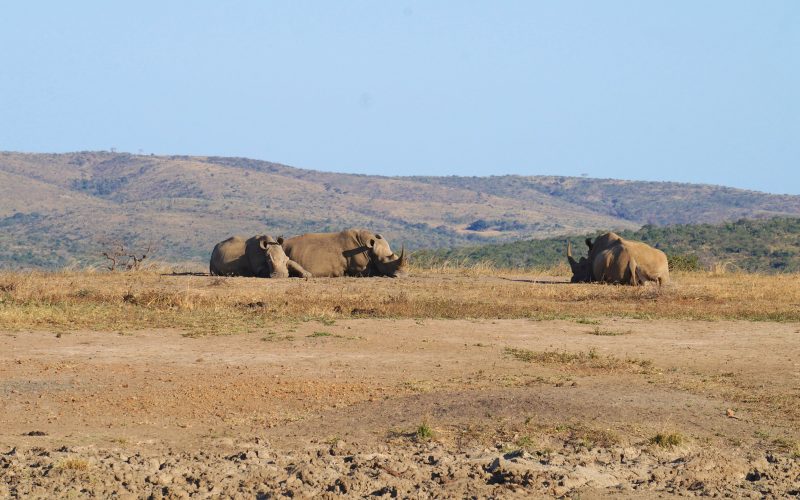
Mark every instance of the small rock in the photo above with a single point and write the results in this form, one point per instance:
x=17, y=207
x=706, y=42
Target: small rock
x=337, y=448
x=164, y=479
x=753, y=475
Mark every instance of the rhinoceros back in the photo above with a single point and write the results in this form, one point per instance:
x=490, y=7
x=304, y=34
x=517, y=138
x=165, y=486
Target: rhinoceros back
x=625, y=261
x=229, y=258
x=329, y=254
x=652, y=264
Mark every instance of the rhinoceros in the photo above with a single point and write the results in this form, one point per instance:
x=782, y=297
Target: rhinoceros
x=352, y=252
x=259, y=256
x=613, y=259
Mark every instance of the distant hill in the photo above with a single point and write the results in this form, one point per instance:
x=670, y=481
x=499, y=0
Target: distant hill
x=771, y=245
x=657, y=203
x=63, y=209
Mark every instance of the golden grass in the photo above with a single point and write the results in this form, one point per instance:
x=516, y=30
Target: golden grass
x=71, y=300
x=76, y=464
x=485, y=268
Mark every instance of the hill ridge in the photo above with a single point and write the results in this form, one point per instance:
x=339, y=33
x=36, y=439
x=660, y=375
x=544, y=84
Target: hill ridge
x=57, y=209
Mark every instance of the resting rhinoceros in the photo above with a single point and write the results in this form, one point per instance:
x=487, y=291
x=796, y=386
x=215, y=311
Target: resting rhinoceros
x=613, y=259
x=259, y=256
x=352, y=252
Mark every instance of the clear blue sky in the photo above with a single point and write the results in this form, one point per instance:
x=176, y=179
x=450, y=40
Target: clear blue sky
x=700, y=91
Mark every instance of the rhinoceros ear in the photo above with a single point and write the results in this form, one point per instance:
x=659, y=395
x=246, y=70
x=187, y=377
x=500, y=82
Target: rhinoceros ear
x=378, y=237
x=371, y=243
x=280, y=240
x=263, y=243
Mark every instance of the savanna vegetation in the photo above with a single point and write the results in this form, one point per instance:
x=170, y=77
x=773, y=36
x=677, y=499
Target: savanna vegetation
x=763, y=245
x=200, y=304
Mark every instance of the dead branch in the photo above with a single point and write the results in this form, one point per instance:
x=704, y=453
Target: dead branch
x=114, y=254
x=135, y=260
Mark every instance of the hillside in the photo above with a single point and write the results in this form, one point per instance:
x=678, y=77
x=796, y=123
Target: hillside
x=771, y=245
x=657, y=203
x=63, y=209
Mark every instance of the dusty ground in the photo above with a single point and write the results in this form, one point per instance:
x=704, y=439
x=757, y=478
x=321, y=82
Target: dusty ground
x=404, y=407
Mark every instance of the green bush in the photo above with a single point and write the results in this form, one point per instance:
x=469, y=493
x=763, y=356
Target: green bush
x=684, y=262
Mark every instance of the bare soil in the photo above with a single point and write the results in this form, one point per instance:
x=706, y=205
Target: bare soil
x=408, y=408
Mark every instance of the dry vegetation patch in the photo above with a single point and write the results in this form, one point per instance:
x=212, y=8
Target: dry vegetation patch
x=102, y=300
x=667, y=440
x=602, y=332
x=586, y=359
x=73, y=463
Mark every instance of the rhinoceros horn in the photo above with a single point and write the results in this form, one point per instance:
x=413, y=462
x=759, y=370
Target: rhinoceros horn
x=395, y=267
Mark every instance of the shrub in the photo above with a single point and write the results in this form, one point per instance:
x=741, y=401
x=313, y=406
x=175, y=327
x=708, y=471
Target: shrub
x=683, y=262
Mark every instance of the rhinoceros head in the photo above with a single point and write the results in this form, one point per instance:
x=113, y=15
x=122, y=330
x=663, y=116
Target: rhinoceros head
x=581, y=271
x=386, y=262
x=277, y=261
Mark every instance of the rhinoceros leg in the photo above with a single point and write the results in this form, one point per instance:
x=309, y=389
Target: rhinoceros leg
x=297, y=271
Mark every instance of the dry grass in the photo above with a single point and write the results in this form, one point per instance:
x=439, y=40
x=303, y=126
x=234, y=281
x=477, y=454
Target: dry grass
x=487, y=269
x=589, y=359
x=664, y=440
x=588, y=437
x=76, y=464
x=602, y=332
x=71, y=300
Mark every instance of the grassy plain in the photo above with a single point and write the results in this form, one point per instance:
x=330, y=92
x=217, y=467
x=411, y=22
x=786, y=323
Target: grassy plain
x=91, y=300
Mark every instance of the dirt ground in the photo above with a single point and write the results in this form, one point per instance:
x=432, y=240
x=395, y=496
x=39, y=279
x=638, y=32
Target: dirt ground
x=408, y=408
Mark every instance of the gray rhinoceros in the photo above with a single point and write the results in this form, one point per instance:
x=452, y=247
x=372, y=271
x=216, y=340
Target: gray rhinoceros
x=352, y=252
x=259, y=256
x=613, y=259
